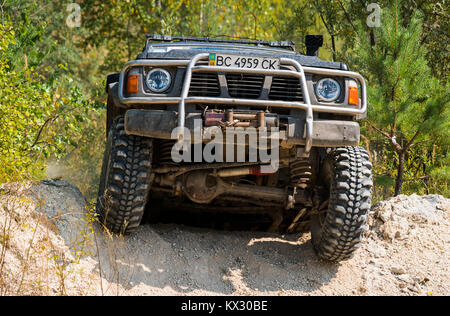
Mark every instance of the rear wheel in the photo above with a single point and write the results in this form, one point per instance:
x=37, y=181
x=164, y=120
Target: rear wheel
x=125, y=180
x=346, y=176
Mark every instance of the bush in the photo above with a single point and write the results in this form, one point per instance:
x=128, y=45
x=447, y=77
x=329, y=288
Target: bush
x=41, y=119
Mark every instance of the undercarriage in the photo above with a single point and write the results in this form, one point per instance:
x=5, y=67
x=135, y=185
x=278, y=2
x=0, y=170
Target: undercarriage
x=238, y=188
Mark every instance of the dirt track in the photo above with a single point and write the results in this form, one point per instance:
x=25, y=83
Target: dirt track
x=407, y=255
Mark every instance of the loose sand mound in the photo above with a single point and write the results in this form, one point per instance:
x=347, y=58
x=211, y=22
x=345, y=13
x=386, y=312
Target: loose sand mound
x=49, y=245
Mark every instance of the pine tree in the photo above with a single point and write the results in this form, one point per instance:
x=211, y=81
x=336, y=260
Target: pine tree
x=407, y=104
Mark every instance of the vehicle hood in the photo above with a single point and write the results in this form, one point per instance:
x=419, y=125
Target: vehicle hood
x=189, y=50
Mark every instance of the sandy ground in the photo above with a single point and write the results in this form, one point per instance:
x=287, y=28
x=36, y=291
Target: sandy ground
x=50, y=246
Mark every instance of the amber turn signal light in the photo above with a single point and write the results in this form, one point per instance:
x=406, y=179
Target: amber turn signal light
x=133, y=84
x=353, y=97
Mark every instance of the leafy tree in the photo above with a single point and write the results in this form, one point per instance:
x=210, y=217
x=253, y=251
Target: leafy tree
x=120, y=26
x=338, y=21
x=40, y=119
x=435, y=31
x=408, y=105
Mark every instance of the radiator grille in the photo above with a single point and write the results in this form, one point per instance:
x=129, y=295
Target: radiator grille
x=245, y=86
x=204, y=85
x=286, y=89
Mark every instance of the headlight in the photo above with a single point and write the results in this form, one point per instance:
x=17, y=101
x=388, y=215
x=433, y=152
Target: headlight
x=328, y=89
x=158, y=80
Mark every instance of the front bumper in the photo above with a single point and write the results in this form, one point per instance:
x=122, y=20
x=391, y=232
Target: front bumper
x=161, y=124
x=311, y=135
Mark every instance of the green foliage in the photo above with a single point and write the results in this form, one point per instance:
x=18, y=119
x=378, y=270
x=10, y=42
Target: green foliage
x=24, y=104
x=40, y=119
x=407, y=104
x=435, y=31
x=402, y=92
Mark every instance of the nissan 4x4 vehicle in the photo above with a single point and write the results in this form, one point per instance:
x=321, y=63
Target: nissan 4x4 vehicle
x=245, y=127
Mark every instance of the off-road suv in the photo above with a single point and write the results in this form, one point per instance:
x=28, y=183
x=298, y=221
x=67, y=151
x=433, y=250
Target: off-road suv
x=246, y=127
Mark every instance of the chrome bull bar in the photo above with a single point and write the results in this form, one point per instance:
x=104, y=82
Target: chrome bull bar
x=300, y=74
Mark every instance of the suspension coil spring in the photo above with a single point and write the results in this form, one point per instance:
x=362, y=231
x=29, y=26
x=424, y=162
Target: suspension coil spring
x=300, y=173
x=165, y=152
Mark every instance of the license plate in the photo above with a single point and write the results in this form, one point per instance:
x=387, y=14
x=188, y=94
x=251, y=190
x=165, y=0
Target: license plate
x=243, y=62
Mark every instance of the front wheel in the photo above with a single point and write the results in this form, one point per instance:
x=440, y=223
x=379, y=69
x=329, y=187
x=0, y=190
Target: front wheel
x=125, y=180
x=346, y=175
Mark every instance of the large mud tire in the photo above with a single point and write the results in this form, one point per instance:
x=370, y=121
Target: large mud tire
x=125, y=180
x=337, y=233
